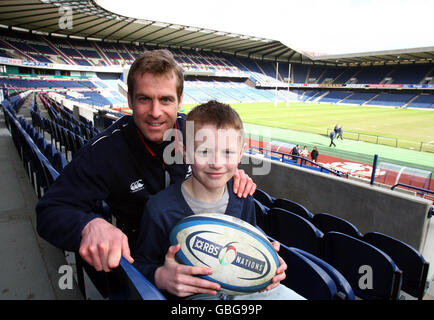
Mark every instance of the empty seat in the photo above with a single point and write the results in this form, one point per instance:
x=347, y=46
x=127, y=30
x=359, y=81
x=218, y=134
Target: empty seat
x=327, y=222
x=305, y=277
x=293, y=207
x=294, y=231
x=49, y=152
x=261, y=218
x=60, y=161
x=263, y=198
x=372, y=273
x=409, y=260
x=345, y=291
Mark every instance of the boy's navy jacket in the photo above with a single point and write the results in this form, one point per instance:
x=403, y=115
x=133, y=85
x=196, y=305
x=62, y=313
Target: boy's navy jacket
x=162, y=212
x=115, y=166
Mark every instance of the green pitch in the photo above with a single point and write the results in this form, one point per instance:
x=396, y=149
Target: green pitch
x=308, y=124
x=409, y=126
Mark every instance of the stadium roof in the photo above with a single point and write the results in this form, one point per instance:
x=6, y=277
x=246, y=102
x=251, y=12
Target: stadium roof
x=86, y=19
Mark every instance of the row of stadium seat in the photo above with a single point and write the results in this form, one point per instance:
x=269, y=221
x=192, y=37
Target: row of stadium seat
x=368, y=98
x=396, y=265
x=30, y=83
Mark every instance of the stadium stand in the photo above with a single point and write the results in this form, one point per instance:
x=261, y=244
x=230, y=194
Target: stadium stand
x=322, y=250
x=422, y=101
x=46, y=49
x=391, y=99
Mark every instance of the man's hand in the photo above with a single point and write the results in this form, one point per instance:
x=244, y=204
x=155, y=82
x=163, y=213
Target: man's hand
x=102, y=245
x=280, y=272
x=243, y=184
x=180, y=280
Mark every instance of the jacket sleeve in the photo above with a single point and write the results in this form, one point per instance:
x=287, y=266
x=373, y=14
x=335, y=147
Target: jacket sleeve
x=69, y=204
x=249, y=212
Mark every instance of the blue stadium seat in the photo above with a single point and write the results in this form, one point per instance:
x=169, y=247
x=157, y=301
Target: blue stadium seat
x=409, y=260
x=344, y=288
x=294, y=231
x=305, y=277
x=261, y=218
x=80, y=141
x=372, y=273
x=60, y=161
x=40, y=142
x=49, y=152
x=136, y=285
x=293, y=207
x=327, y=222
x=263, y=198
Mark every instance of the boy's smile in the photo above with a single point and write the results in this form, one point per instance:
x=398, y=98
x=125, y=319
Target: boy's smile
x=217, y=153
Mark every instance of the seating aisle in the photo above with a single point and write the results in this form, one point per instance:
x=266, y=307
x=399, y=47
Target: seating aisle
x=29, y=268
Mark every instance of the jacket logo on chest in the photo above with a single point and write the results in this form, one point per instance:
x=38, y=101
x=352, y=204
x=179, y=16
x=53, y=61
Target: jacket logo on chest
x=189, y=172
x=137, y=186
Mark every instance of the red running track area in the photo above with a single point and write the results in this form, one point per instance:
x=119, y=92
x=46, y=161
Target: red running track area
x=357, y=169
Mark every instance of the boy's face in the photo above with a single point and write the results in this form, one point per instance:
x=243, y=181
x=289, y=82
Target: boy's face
x=155, y=104
x=217, y=153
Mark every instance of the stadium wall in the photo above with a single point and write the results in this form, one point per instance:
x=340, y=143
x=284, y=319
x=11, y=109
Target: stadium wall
x=370, y=208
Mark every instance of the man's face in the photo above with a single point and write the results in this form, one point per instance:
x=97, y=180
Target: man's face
x=155, y=104
x=217, y=153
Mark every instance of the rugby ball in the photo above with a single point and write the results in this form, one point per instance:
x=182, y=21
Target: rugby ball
x=241, y=257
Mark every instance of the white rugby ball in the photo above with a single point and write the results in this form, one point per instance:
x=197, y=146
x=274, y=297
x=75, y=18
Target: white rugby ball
x=241, y=257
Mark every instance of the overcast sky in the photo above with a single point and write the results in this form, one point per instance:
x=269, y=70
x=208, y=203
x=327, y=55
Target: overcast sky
x=326, y=26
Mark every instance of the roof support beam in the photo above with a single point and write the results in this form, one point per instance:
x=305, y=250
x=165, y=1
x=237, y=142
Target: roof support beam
x=148, y=34
x=138, y=30
x=117, y=30
x=104, y=28
x=84, y=22
x=34, y=21
x=57, y=24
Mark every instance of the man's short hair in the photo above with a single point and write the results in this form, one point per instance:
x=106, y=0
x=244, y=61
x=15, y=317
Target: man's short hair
x=156, y=62
x=215, y=113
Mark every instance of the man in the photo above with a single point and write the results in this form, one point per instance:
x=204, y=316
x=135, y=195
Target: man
x=340, y=133
x=314, y=154
x=332, y=137
x=123, y=166
x=295, y=152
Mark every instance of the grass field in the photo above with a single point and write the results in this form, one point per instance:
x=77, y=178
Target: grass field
x=410, y=127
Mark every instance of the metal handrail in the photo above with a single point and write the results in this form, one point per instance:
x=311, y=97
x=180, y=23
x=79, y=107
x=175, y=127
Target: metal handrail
x=411, y=187
x=283, y=155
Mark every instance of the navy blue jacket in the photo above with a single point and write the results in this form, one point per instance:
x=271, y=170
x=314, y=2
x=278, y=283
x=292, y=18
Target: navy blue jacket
x=116, y=167
x=162, y=212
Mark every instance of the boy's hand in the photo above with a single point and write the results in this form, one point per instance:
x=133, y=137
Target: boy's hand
x=180, y=280
x=280, y=272
x=243, y=184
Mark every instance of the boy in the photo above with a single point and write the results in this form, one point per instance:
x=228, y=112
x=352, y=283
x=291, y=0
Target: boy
x=214, y=148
